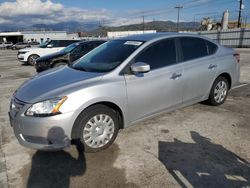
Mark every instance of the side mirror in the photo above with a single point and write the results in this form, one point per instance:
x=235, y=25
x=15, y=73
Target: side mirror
x=140, y=67
x=49, y=46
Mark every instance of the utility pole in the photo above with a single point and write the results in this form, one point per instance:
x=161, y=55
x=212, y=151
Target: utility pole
x=143, y=23
x=240, y=10
x=246, y=22
x=178, y=16
x=194, y=28
x=154, y=23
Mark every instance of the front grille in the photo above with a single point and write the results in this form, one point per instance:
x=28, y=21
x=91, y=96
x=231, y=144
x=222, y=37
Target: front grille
x=18, y=53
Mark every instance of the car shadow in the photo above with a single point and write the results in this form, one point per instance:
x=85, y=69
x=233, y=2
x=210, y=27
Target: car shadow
x=203, y=164
x=25, y=64
x=74, y=168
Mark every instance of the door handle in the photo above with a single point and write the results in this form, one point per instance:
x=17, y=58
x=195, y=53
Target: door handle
x=175, y=76
x=212, y=66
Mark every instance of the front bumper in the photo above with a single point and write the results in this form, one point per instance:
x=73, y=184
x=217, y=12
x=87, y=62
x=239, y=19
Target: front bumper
x=21, y=58
x=41, y=133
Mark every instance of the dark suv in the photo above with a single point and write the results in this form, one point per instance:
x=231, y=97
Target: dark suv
x=66, y=56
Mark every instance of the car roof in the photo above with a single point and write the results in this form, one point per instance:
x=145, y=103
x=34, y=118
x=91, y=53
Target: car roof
x=151, y=36
x=87, y=41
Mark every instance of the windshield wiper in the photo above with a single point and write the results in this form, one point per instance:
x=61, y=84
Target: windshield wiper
x=78, y=68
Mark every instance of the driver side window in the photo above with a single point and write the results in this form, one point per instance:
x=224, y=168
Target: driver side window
x=160, y=54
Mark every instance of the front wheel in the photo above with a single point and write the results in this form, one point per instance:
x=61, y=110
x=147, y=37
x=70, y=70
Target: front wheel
x=219, y=91
x=32, y=59
x=97, y=127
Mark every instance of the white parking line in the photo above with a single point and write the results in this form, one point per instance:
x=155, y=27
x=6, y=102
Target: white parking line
x=241, y=85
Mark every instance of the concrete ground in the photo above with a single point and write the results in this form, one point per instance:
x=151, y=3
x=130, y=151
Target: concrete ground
x=197, y=146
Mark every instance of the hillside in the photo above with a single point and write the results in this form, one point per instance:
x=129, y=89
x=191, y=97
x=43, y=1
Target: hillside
x=94, y=28
x=159, y=26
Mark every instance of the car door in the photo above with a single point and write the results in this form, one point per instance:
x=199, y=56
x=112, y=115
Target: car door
x=199, y=68
x=159, y=89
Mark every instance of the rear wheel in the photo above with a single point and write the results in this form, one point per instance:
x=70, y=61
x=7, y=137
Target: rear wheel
x=97, y=127
x=219, y=91
x=32, y=59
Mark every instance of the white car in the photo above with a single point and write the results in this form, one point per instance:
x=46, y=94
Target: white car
x=6, y=44
x=29, y=55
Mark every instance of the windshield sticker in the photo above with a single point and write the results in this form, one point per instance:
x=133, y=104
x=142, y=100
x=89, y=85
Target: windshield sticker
x=135, y=43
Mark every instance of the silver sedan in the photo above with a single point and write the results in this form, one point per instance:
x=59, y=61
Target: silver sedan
x=118, y=84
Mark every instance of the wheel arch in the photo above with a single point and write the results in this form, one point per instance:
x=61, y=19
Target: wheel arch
x=228, y=77
x=109, y=104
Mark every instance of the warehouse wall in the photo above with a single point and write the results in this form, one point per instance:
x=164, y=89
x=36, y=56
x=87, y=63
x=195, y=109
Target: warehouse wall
x=43, y=36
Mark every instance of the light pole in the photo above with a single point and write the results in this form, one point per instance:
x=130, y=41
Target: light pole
x=178, y=16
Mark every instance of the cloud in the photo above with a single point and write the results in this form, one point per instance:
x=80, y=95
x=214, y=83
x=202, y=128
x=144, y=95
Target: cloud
x=29, y=7
x=31, y=12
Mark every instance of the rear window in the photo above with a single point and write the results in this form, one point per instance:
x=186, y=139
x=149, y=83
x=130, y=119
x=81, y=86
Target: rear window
x=193, y=48
x=212, y=48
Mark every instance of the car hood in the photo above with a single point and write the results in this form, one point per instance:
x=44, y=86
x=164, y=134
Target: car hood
x=50, y=56
x=28, y=49
x=54, y=83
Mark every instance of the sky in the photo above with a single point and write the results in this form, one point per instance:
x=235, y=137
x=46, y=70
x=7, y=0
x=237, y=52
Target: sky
x=114, y=12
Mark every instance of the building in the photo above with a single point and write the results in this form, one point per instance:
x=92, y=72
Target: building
x=28, y=36
x=117, y=34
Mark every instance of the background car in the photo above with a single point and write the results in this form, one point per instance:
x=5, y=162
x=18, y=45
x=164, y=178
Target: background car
x=20, y=45
x=34, y=44
x=6, y=45
x=67, y=55
x=29, y=55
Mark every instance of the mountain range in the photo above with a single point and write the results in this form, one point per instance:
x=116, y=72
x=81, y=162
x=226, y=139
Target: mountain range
x=95, y=27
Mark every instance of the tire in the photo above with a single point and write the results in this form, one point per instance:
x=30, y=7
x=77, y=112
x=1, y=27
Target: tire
x=32, y=58
x=59, y=64
x=96, y=127
x=219, y=92
x=39, y=70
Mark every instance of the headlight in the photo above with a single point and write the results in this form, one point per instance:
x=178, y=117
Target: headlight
x=46, y=108
x=23, y=52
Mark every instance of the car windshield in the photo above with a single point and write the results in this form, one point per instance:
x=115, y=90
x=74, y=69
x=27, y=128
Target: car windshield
x=70, y=47
x=107, y=57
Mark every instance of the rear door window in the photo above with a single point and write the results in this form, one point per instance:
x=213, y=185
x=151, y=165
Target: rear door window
x=160, y=54
x=212, y=48
x=193, y=48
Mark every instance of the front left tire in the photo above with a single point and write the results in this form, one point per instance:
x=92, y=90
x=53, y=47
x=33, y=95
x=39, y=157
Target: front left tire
x=97, y=127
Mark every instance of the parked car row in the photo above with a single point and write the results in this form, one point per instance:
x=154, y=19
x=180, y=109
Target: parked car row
x=29, y=55
x=120, y=83
x=19, y=45
x=7, y=45
x=67, y=55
